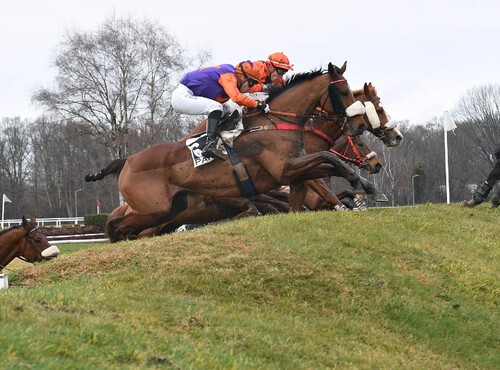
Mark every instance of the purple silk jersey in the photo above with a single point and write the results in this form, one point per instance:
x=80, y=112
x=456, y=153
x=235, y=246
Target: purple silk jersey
x=205, y=81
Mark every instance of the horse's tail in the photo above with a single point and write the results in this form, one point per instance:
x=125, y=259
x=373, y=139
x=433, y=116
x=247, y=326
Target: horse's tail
x=113, y=168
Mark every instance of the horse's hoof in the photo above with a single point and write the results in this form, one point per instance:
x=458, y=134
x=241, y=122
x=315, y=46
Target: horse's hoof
x=380, y=197
x=340, y=208
x=468, y=204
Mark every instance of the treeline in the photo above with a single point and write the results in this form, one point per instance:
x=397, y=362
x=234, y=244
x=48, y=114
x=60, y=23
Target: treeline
x=111, y=98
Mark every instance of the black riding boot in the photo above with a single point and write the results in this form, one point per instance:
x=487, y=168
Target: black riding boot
x=210, y=150
x=479, y=196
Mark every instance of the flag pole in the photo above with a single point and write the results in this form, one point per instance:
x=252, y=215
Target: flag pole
x=4, y=199
x=448, y=124
x=3, y=208
x=447, y=170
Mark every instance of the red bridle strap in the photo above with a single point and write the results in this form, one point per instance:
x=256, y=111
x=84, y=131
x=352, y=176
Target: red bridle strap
x=358, y=160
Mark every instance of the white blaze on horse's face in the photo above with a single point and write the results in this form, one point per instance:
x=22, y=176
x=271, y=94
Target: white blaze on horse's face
x=50, y=252
x=355, y=109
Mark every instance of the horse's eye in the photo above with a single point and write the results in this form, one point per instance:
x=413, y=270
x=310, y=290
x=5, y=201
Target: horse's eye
x=360, y=144
x=380, y=111
x=38, y=240
x=344, y=93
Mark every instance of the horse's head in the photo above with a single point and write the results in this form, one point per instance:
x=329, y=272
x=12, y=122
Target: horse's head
x=35, y=246
x=354, y=150
x=342, y=102
x=378, y=121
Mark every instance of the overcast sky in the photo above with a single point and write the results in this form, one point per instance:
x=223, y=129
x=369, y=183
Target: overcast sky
x=422, y=56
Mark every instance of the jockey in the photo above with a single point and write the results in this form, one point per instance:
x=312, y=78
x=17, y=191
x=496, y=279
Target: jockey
x=483, y=191
x=276, y=65
x=217, y=91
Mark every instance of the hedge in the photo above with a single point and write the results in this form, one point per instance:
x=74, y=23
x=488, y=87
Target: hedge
x=96, y=220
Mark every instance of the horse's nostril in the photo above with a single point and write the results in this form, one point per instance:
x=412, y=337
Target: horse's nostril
x=361, y=128
x=378, y=167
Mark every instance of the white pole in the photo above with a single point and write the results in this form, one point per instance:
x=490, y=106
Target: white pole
x=3, y=208
x=76, y=206
x=447, y=170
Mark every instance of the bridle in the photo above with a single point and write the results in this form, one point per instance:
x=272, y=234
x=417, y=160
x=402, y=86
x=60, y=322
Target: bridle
x=30, y=242
x=360, y=161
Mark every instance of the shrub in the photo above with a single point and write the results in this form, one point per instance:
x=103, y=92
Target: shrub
x=98, y=220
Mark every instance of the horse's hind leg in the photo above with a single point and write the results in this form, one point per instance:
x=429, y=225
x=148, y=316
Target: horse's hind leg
x=124, y=227
x=495, y=200
x=320, y=187
x=297, y=196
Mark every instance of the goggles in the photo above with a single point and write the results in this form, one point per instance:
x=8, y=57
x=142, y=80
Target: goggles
x=281, y=71
x=252, y=82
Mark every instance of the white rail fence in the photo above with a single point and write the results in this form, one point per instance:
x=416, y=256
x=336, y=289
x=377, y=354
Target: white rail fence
x=56, y=221
x=62, y=239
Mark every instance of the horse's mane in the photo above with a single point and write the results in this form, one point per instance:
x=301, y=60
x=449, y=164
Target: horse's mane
x=295, y=79
x=7, y=230
x=359, y=91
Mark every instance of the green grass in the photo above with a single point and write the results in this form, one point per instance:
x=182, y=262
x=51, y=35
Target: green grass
x=389, y=288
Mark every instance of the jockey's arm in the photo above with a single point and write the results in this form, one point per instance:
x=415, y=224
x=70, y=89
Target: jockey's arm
x=229, y=83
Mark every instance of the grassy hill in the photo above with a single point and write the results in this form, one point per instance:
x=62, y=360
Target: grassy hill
x=408, y=287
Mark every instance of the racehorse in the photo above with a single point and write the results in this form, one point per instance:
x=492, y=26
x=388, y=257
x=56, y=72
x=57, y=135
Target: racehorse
x=202, y=212
x=25, y=242
x=156, y=181
x=379, y=123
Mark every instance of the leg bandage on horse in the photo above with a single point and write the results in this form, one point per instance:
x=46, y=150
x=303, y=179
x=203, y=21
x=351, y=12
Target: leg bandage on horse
x=481, y=193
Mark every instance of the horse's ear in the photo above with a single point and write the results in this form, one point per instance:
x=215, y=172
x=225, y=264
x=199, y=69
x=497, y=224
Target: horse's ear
x=331, y=68
x=343, y=68
x=366, y=90
x=26, y=224
x=33, y=220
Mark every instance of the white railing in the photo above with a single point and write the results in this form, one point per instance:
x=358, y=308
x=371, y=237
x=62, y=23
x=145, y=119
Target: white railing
x=55, y=221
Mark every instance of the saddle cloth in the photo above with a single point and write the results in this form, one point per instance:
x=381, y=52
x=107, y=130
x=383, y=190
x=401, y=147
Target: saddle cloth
x=197, y=142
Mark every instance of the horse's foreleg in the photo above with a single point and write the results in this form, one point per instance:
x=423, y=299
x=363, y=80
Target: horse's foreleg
x=297, y=196
x=370, y=188
x=320, y=187
x=317, y=165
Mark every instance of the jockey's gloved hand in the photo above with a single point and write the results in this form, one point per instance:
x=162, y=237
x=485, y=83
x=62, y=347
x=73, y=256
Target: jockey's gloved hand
x=263, y=107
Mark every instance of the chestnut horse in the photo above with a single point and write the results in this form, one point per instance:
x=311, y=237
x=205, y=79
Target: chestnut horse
x=156, y=181
x=200, y=211
x=379, y=123
x=25, y=242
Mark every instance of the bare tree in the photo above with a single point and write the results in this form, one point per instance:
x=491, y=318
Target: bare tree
x=15, y=160
x=479, y=111
x=117, y=77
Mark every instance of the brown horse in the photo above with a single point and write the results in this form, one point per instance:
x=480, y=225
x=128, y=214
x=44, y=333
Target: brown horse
x=25, y=242
x=379, y=123
x=156, y=181
x=317, y=138
x=202, y=211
